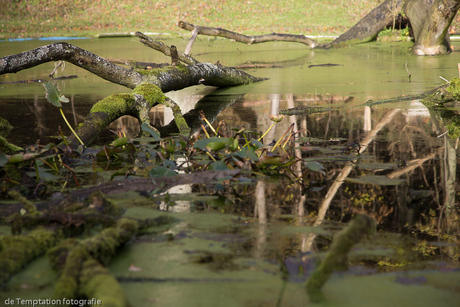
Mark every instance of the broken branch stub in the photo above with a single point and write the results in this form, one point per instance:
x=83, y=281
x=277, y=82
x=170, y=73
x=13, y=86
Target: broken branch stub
x=174, y=56
x=160, y=46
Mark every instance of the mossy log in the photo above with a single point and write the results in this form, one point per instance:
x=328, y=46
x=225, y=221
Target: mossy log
x=103, y=113
x=97, y=282
x=5, y=146
x=81, y=262
x=17, y=251
x=100, y=212
x=148, y=84
x=102, y=247
x=74, y=201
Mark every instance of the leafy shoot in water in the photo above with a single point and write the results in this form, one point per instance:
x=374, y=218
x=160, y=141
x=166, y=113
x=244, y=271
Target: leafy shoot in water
x=54, y=96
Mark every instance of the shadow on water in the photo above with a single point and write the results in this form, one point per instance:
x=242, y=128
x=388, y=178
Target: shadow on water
x=256, y=242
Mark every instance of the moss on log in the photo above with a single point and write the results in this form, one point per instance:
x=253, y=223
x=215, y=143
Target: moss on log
x=97, y=282
x=17, y=251
x=137, y=104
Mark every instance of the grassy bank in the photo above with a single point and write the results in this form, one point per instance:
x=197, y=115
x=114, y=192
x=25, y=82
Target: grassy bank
x=42, y=18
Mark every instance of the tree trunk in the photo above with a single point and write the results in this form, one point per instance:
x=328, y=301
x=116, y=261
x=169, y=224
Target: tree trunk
x=430, y=21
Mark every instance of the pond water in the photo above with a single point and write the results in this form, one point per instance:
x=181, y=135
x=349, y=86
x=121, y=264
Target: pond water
x=255, y=243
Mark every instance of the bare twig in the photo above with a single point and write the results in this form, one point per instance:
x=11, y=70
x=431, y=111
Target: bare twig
x=407, y=70
x=447, y=81
x=191, y=41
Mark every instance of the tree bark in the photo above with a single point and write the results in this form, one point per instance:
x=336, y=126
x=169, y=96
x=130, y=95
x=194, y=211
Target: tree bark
x=430, y=21
x=72, y=54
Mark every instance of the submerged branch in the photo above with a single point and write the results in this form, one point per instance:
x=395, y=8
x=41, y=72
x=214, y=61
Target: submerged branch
x=349, y=166
x=337, y=256
x=249, y=39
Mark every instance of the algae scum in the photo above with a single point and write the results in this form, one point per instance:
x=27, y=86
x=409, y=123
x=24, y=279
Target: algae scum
x=238, y=220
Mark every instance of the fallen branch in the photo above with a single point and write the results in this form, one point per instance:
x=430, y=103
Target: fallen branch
x=365, y=30
x=169, y=78
x=249, y=39
x=72, y=54
x=75, y=198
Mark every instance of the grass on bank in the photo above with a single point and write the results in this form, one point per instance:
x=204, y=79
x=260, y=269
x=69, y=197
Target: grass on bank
x=43, y=18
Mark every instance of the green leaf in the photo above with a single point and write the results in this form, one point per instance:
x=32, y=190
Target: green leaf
x=232, y=144
x=377, y=180
x=214, y=143
x=218, y=166
x=119, y=142
x=216, y=146
x=3, y=159
x=315, y=167
x=63, y=98
x=53, y=94
x=257, y=143
x=247, y=153
x=154, y=133
x=161, y=171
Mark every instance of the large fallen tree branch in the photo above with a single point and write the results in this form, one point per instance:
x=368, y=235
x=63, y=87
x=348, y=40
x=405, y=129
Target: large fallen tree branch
x=149, y=84
x=368, y=28
x=249, y=39
x=167, y=79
